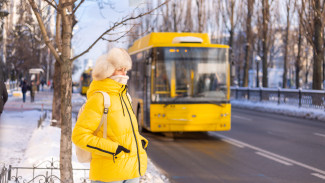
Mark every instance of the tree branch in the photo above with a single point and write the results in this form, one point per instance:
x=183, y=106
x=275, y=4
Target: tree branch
x=76, y=8
x=51, y=4
x=43, y=29
x=113, y=40
x=115, y=26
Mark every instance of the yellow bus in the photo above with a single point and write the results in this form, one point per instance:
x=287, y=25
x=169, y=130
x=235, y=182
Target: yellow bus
x=179, y=82
x=85, y=81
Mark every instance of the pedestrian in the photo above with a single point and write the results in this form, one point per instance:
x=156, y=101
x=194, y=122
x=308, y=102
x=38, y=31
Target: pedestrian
x=3, y=96
x=121, y=157
x=32, y=91
x=42, y=84
x=24, y=89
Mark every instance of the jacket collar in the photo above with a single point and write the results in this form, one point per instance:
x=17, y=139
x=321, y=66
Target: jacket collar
x=106, y=85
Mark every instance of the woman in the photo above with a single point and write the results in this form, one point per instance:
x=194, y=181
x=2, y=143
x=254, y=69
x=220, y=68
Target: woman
x=121, y=157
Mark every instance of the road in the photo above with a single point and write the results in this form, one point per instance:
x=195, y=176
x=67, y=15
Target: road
x=261, y=147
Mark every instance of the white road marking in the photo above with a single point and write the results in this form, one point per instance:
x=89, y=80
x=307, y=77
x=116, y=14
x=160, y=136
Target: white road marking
x=273, y=158
x=240, y=117
x=318, y=175
x=319, y=134
x=272, y=154
x=233, y=143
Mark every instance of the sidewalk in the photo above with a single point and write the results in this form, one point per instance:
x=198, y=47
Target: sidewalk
x=23, y=144
x=43, y=101
x=283, y=109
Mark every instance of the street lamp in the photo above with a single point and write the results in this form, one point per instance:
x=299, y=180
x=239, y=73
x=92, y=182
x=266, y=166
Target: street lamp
x=257, y=60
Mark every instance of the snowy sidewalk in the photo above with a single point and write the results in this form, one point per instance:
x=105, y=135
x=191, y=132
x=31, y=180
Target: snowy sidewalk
x=289, y=110
x=23, y=144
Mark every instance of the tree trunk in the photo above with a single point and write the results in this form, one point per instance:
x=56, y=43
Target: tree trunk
x=56, y=105
x=66, y=92
x=231, y=42
x=250, y=6
x=286, y=42
x=175, y=17
x=66, y=126
x=200, y=4
x=298, y=60
x=265, y=4
x=318, y=48
x=188, y=18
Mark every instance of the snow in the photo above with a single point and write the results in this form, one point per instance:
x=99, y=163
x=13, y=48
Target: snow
x=23, y=144
x=289, y=110
x=15, y=131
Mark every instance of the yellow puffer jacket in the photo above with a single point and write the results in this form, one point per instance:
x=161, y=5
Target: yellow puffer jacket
x=122, y=129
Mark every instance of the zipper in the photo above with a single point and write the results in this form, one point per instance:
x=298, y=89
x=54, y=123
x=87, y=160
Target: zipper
x=100, y=149
x=126, y=86
x=120, y=95
x=136, y=140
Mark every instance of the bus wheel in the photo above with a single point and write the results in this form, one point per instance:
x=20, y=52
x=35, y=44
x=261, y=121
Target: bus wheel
x=139, y=118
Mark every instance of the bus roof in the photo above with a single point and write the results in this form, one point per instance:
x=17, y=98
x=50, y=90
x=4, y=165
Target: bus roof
x=172, y=39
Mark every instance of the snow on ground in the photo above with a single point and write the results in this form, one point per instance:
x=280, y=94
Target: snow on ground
x=23, y=144
x=16, y=128
x=289, y=110
x=45, y=145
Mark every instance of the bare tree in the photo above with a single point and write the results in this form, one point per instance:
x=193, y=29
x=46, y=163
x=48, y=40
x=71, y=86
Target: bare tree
x=299, y=54
x=188, y=18
x=286, y=44
x=248, y=47
x=265, y=47
x=201, y=15
x=318, y=44
x=230, y=16
x=62, y=53
x=313, y=17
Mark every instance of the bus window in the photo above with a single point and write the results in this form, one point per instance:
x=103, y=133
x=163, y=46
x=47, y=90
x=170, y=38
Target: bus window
x=161, y=81
x=199, y=74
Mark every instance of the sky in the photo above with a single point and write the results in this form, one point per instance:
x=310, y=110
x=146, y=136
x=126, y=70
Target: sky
x=94, y=19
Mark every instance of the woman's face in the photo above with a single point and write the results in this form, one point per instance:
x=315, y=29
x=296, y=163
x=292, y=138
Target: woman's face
x=121, y=71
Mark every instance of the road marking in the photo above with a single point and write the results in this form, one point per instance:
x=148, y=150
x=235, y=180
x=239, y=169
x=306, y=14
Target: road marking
x=319, y=134
x=273, y=158
x=240, y=117
x=318, y=175
x=271, y=154
x=233, y=143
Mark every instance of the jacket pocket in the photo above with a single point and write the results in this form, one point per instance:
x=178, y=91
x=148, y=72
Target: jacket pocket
x=143, y=143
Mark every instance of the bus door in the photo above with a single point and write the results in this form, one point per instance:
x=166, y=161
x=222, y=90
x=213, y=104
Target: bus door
x=147, y=88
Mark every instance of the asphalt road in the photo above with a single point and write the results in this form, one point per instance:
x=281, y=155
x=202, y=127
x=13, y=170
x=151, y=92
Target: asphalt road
x=261, y=147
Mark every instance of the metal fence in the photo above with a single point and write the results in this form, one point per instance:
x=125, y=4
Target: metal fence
x=45, y=172
x=298, y=97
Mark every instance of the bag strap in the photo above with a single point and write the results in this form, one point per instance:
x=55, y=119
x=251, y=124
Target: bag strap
x=107, y=104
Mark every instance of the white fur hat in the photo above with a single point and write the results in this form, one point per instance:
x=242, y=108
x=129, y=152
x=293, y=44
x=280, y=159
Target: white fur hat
x=117, y=58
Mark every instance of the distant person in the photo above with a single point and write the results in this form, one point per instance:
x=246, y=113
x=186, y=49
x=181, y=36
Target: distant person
x=24, y=89
x=42, y=84
x=33, y=89
x=3, y=96
x=121, y=157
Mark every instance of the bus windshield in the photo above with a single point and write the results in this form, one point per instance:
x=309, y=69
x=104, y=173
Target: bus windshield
x=190, y=74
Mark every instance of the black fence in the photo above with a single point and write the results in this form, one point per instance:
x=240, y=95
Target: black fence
x=298, y=97
x=45, y=172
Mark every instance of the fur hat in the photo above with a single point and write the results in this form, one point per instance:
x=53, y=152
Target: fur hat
x=117, y=58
